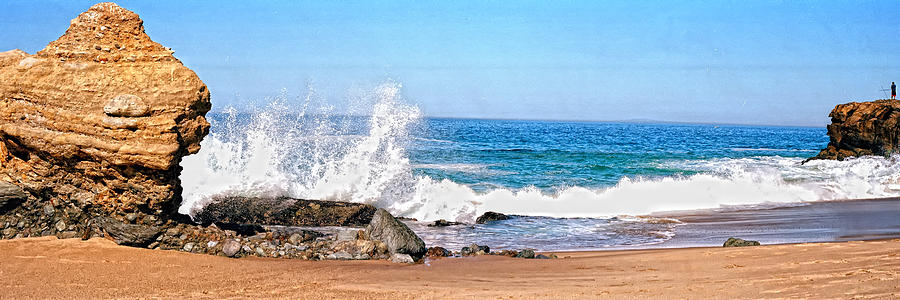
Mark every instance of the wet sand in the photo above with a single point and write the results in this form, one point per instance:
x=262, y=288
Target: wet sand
x=51, y=268
x=820, y=221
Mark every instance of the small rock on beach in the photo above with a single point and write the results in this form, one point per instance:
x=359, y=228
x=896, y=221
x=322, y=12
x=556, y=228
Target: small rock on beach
x=736, y=242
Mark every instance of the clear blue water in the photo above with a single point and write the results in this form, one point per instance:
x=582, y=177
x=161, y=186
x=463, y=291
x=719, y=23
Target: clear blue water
x=486, y=154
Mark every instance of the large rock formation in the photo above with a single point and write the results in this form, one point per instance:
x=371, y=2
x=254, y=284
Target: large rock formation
x=863, y=128
x=284, y=211
x=96, y=124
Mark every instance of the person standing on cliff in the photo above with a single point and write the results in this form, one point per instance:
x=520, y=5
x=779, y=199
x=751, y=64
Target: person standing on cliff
x=893, y=90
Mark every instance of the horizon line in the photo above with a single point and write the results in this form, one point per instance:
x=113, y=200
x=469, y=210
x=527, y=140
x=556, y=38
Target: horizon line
x=624, y=121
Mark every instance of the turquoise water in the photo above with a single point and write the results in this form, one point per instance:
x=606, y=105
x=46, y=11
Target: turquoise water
x=573, y=185
x=487, y=154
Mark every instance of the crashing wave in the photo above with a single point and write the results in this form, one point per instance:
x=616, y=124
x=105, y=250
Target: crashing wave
x=307, y=152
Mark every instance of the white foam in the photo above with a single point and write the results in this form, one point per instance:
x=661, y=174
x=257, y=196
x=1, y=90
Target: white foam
x=285, y=151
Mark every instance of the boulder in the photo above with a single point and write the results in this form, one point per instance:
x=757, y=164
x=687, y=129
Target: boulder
x=231, y=248
x=475, y=249
x=863, y=128
x=398, y=238
x=736, y=242
x=99, y=120
x=127, y=234
x=10, y=196
x=437, y=252
x=527, y=253
x=284, y=211
x=402, y=258
x=443, y=223
x=490, y=217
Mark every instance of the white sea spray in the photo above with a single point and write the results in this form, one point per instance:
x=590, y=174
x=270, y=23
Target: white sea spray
x=310, y=152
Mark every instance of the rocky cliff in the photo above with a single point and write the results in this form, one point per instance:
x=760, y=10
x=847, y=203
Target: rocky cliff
x=96, y=124
x=863, y=128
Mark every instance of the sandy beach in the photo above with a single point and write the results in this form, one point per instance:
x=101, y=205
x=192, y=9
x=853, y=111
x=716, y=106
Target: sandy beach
x=71, y=268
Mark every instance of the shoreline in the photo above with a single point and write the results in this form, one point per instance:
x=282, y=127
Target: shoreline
x=812, y=222
x=47, y=267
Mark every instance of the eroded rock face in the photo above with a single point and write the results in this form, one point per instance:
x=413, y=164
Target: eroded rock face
x=10, y=196
x=96, y=123
x=863, y=128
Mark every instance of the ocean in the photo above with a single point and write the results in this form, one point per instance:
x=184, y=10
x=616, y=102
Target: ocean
x=572, y=185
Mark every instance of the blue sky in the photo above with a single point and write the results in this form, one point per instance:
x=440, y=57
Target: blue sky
x=751, y=62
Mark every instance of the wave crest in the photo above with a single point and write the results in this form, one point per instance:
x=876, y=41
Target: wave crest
x=307, y=152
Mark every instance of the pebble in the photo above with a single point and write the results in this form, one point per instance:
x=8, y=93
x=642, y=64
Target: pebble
x=60, y=226
x=527, y=253
x=9, y=232
x=435, y=252
x=260, y=251
x=475, y=249
x=172, y=231
x=48, y=209
x=188, y=247
x=341, y=255
x=131, y=217
x=402, y=258
x=347, y=235
x=231, y=248
x=211, y=244
x=295, y=238
x=297, y=248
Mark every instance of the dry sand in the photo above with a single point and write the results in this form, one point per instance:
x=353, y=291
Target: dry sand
x=51, y=268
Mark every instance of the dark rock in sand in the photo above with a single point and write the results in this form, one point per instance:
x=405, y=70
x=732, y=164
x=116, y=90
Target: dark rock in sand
x=863, y=128
x=127, y=234
x=437, y=252
x=443, y=223
x=11, y=195
x=541, y=256
x=475, y=249
x=284, y=211
x=736, y=242
x=527, y=253
x=510, y=253
x=395, y=235
x=491, y=216
x=231, y=248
